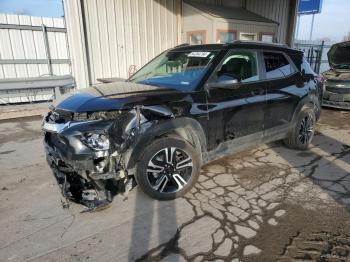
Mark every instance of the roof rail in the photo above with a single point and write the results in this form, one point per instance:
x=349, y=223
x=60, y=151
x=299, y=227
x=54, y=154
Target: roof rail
x=181, y=45
x=257, y=42
x=230, y=43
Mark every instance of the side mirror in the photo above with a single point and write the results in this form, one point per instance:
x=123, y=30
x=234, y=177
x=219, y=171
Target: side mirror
x=227, y=84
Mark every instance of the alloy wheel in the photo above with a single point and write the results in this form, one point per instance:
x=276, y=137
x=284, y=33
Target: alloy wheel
x=306, y=130
x=169, y=170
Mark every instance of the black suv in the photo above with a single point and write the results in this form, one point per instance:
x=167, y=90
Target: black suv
x=186, y=107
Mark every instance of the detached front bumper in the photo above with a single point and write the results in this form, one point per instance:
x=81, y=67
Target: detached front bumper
x=77, y=177
x=85, y=175
x=73, y=158
x=89, y=154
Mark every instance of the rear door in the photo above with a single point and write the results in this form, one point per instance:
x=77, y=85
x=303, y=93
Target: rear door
x=236, y=111
x=282, y=93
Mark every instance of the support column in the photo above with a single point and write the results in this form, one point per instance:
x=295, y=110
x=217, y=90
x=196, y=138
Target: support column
x=73, y=15
x=293, y=11
x=179, y=21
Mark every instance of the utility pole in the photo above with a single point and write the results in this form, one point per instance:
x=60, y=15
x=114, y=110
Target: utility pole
x=312, y=26
x=298, y=25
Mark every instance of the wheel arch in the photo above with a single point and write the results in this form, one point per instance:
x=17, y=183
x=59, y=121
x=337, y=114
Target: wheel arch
x=185, y=128
x=306, y=102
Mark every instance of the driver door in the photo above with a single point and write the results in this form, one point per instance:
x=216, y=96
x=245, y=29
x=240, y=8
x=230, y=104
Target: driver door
x=236, y=99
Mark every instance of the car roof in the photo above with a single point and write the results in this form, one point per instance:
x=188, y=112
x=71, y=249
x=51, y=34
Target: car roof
x=238, y=44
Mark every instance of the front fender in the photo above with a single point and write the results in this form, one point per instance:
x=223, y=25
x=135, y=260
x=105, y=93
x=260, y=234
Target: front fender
x=311, y=101
x=187, y=128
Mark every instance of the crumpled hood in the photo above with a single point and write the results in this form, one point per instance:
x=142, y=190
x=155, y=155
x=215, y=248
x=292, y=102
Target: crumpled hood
x=339, y=54
x=116, y=96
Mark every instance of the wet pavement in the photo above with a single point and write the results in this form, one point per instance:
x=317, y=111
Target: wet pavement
x=265, y=204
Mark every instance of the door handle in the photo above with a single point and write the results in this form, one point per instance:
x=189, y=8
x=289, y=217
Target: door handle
x=258, y=91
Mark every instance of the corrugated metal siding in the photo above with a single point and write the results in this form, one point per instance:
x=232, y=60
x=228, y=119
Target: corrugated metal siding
x=27, y=44
x=122, y=33
x=194, y=20
x=275, y=10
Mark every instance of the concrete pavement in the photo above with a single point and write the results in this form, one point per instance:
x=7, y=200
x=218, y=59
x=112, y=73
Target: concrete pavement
x=265, y=204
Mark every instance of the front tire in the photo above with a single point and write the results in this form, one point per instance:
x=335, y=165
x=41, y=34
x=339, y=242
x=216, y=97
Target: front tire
x=301, y=135
x=168, y=168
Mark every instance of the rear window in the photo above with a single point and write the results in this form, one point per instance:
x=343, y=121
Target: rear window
x=277, y=65
x=306, y=67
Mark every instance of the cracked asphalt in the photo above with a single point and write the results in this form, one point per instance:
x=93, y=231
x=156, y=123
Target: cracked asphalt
x=265, y=204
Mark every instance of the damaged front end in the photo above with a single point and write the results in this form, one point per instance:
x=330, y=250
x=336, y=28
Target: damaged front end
x=86, y=153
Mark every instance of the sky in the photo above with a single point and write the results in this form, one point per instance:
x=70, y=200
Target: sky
x=333, y=22
x=49, y=8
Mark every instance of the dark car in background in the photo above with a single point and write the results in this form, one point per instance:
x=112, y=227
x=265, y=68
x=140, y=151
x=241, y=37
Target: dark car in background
x=187, y=107
x=337, y=85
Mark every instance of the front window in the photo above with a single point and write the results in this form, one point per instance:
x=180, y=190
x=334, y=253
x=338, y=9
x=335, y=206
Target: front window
x=180, y=70
x=238, y=65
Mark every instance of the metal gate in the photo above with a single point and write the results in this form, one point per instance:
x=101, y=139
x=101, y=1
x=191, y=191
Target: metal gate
x=315, y=53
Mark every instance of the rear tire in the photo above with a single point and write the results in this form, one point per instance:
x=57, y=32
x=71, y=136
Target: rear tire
x=167, y=168
x=301, y=135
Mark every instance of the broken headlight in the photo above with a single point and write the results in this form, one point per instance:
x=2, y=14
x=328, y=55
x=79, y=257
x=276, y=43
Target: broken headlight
x=96, y=141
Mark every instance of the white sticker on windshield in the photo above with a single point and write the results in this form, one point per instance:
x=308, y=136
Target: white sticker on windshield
x=198, y=54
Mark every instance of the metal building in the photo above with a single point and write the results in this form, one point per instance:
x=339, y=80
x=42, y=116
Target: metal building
x=112, y=38
x=207, y=23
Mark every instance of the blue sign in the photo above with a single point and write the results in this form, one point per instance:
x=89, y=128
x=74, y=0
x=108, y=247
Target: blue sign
x=309, y=7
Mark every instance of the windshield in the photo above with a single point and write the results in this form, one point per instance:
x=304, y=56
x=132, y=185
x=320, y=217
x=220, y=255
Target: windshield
x=181, y=70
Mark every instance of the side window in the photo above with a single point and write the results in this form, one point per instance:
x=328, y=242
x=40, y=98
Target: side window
x=277, y=65
x=238, y=65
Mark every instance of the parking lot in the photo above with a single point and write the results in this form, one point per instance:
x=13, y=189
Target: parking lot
x=265, y=204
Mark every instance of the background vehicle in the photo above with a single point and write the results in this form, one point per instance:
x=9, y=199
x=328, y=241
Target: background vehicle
x=188, y=106
x=337, y=87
